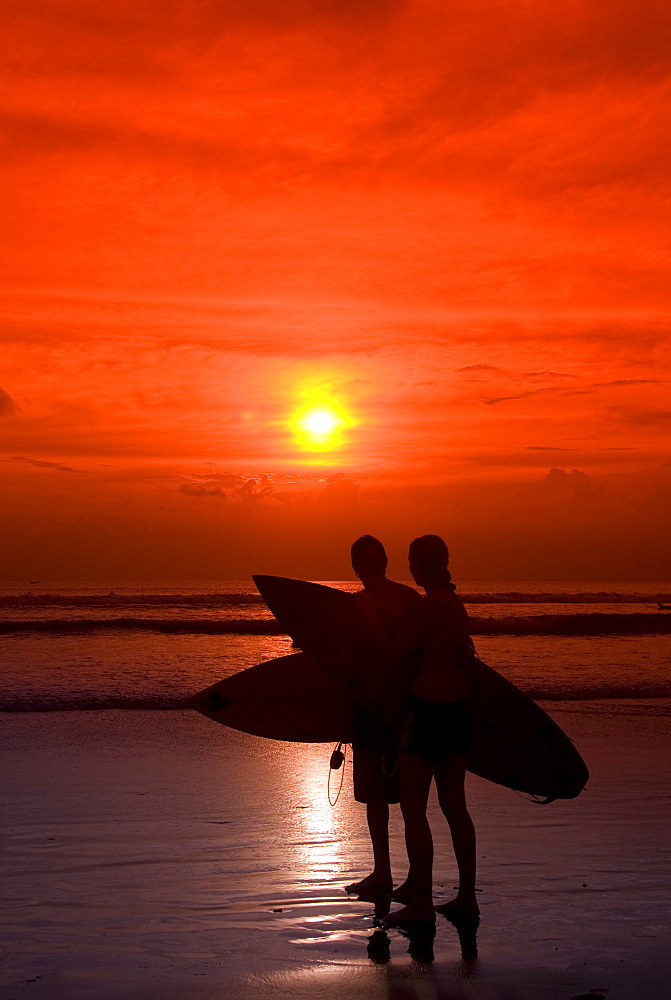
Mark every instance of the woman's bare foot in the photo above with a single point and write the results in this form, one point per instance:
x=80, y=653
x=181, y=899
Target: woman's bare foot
x=463, y=905
x=415, y=913
x=373, y=883
x=404, y=893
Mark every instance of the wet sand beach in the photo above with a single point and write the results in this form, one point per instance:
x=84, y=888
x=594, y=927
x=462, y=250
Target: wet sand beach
x=151, y=854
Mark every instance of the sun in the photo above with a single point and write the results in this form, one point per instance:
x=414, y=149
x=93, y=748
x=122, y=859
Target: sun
x=320, y=423
x=319, y=426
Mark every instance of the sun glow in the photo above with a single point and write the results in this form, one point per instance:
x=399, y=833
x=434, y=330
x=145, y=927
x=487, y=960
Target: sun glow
x=319, y=425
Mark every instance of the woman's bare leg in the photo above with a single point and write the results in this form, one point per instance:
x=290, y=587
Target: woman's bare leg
x=416, y=774
x=450, y=775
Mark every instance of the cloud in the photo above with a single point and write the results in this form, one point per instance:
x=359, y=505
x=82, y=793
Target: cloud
x=481, y=369
x=7, y=404
x=230, y=487
x=575, y=483
x=544, y=101
x=201, y=490
x=519, y=395
x=643, y=418
x=565, y=391
x=340, y=493
x=542, y=376
x=253, y=491
x=629, y=381
x=42, y=465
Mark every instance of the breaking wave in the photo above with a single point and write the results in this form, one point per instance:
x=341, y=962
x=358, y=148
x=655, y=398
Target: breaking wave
x=77, y=702
x=203, y=626
x=222, y=600
x=594, y=623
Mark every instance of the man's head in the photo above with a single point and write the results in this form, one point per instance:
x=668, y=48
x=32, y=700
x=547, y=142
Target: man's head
x=427, y=558
x=369, y=560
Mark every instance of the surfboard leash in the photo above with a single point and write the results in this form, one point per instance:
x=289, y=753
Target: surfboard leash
x=337, y=763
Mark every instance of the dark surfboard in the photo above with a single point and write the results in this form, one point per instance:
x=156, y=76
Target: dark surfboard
x=287, y=698
x=515, y=742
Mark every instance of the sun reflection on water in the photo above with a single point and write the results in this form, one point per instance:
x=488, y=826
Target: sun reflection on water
x=321, y=823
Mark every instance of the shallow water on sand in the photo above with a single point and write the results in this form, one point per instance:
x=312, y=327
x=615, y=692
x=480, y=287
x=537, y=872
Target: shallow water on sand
x=147, y=853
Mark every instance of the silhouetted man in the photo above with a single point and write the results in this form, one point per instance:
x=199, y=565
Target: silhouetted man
x=372, y=736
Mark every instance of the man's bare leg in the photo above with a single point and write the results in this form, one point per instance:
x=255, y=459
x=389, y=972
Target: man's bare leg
x=379, y=880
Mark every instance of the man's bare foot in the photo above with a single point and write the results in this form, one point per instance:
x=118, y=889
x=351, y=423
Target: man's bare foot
x=460, y=906
x=404, y=893
x=373, y=883
x=414, y=913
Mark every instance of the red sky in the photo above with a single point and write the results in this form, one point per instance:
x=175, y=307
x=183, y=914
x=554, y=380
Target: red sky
x=451, y=220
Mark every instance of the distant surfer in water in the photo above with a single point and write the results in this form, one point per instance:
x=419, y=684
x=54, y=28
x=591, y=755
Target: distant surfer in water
x=371, y=736
x=435, y=736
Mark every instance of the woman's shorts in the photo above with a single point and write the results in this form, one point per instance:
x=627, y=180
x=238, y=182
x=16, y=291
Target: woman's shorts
x=435, y=728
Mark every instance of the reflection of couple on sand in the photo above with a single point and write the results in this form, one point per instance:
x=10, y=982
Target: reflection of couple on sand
x=432, y=736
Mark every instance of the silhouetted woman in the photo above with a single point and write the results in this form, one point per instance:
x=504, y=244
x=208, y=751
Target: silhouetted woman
x=435, y=736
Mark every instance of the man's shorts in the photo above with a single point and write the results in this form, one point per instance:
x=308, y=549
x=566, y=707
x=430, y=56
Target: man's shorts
x=370, y=782
x=370, y=756
x=435, y=728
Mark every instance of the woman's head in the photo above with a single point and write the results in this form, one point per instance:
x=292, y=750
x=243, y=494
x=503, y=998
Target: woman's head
x=428, y=557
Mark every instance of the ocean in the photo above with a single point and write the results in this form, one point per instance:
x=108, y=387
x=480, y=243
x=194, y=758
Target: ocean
x=124, y=645
x=154, y=854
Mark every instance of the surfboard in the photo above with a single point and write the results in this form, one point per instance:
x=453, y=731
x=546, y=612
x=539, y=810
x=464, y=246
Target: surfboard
x=515, y=742
x=335, y=630
x=287, y=698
